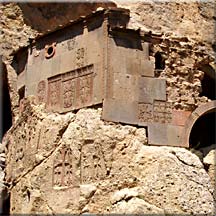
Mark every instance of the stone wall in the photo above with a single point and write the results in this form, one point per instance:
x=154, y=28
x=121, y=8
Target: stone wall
x=183, y=62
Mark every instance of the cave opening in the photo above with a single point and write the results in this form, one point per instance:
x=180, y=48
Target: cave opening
x=208, y=82
x=6, y=114
x=203, y=131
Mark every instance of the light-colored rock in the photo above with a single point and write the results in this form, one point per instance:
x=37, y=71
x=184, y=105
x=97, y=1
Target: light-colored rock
x=112, y=171
x=87, y=191
x=2, y=148
x=2, y=175
x=179, y=18
x=136, y=206
x=124, y=194
x=210, y=158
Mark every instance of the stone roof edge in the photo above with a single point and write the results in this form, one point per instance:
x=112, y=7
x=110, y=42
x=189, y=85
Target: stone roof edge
x=72, y=22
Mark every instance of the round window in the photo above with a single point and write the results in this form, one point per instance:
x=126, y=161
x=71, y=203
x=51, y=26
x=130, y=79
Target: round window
x=50, y=50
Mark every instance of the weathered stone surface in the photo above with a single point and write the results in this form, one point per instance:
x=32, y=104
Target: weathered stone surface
x=136, y=205
x=209, y=159
x=51, y=15
x=181, y=18
x=109, y=160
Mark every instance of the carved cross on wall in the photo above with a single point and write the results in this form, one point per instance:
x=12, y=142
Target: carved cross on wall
x=63, y=169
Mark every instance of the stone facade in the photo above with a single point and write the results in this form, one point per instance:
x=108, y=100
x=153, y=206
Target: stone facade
x=78, y=66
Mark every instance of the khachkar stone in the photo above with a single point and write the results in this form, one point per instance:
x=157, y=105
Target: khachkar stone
x=98, y=60
x=63, y=169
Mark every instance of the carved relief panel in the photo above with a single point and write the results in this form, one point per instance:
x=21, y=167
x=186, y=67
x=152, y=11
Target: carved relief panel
x=69, y=93
x=71, y=90
x=64, y=169
x=159, y=111
x=92, y=164
x=85, y=85
x=162, y=112
x=80, y=57
x=145, y=112
x=54, y=92
x=41, y=91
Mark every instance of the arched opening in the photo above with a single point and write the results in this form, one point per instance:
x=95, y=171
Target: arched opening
x=203, y=131
x=208, y=82
x=6, y=116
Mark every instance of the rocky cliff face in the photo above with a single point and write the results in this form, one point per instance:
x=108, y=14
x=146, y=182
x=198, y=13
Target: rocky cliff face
x=193, y=19
x=77, y=163
x=81, y=159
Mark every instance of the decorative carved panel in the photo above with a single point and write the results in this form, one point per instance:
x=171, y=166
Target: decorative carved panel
x=159, y=111
x=162, y=112
x=92, y=164
x=80, y=56
x=145, y=112
x=63, y=169
x=71, y=90
x=54, y=92
x=41, y=91
x=69, y=93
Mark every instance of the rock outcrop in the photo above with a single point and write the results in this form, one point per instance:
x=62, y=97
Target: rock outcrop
x=194, y=19
x=70, y=163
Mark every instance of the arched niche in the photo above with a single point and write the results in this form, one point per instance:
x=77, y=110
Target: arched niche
x=200, y=125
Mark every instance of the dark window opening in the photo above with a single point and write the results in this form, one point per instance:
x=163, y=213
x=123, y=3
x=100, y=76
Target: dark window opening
x=5, y=104
x=50, y=50
x=208, y=82
x=203, y=131
x=159, y=61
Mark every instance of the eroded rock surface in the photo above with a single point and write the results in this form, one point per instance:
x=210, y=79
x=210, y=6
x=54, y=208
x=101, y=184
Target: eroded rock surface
x=194, y=19
x=77, y=163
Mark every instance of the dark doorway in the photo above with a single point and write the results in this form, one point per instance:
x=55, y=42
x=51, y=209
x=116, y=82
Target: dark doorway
x=5, y=104
x=203, y=131
x=159, y=61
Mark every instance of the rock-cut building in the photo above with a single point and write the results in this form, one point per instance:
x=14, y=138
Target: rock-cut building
x=97, y=60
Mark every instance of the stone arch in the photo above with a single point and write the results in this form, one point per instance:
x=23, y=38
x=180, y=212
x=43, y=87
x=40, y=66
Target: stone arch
x=201, y=111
